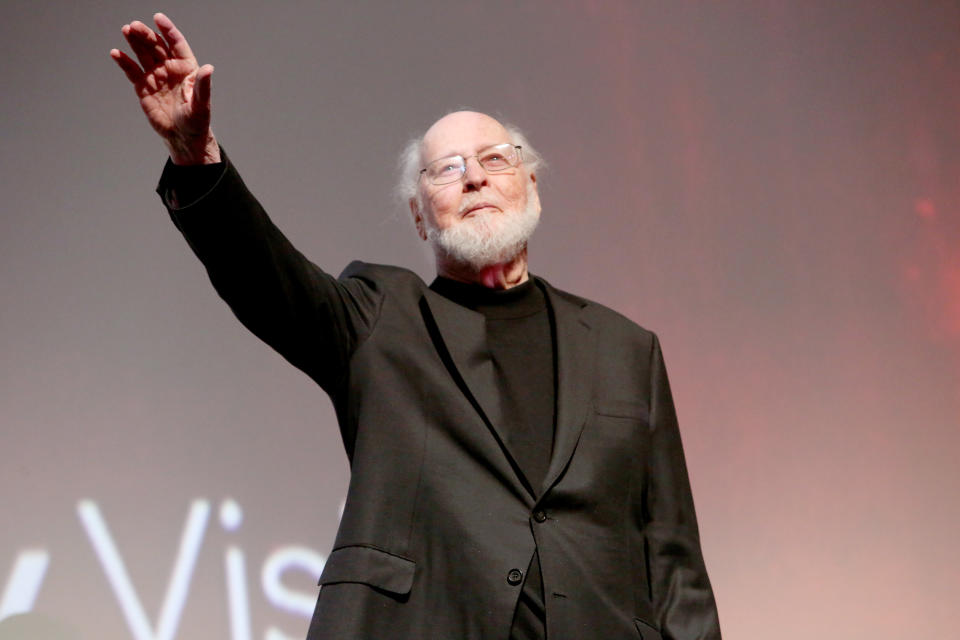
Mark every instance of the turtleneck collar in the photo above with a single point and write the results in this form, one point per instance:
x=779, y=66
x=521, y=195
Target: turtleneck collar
x=516, y=302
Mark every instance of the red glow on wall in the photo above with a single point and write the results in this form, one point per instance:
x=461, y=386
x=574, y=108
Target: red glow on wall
x=950, y=288
x=925, y=208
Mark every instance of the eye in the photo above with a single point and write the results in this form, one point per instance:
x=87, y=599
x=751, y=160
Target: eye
x=494, y=160
x=445, y=168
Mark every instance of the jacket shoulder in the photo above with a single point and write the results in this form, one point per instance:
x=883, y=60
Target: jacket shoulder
x=602, y=315
x=384, y=278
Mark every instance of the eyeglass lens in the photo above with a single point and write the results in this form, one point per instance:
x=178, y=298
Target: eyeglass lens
x=499, y=157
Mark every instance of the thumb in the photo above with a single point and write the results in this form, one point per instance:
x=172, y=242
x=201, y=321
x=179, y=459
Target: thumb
x=201, y=91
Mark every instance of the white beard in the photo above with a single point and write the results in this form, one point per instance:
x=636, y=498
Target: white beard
x=486, y=238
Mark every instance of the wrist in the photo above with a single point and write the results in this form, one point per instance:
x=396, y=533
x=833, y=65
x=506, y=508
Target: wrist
x=202, y=149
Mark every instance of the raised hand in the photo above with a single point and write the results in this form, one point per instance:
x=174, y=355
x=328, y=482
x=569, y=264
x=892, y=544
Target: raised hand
x=174, y=91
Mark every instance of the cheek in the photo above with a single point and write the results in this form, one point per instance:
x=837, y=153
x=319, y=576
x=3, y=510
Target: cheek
x=511, y=188
x=516, y=195
x=441, y=206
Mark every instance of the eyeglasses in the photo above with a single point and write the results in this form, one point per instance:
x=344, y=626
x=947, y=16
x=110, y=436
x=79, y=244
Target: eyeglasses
x=499, y=157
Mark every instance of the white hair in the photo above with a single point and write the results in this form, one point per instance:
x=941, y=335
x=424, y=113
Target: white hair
x=486, y=238
x=410, y=159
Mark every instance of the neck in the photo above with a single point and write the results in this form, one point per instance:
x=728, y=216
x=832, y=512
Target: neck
x=497, y=276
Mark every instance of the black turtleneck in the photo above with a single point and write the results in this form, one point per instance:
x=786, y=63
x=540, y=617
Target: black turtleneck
x=521, y=347
x=521, y=343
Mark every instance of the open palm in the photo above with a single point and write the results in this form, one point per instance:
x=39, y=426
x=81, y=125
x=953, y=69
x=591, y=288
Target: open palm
x=174, y=91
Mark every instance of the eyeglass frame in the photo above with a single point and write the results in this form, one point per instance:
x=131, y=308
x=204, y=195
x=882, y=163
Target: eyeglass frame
x=463, y=167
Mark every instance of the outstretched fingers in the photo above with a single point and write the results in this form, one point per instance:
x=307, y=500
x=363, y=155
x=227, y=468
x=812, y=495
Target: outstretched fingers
x=176, y=42
x=149, y=48
x=130, y=68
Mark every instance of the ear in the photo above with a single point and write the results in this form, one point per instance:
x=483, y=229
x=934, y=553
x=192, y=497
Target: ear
x=417, y=219
x=532, y=192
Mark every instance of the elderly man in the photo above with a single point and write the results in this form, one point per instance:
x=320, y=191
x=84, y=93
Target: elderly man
x=516, y=467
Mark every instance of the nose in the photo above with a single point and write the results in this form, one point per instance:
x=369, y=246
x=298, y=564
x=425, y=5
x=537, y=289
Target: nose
x=474, y=176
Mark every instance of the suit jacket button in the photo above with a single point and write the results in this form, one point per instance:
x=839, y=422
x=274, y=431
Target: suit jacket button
x=515, y=577
x=540, y=515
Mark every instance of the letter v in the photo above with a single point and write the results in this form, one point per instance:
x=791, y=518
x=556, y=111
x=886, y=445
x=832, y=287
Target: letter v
x=178, y=586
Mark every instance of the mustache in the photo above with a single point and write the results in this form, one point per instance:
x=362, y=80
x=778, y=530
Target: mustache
x=471, y=202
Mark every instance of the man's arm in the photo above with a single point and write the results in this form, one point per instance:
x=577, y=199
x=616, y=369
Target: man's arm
x=680, y=589
x=312, y=319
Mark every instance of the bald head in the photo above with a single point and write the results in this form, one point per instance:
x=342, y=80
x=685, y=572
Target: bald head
x=413, y=159
x=461, y=133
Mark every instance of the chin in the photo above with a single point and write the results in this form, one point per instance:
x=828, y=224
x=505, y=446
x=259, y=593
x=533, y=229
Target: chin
x=485, y=238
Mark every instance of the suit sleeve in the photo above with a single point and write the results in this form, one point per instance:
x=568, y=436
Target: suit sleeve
x=680, y=589
x=312, y=319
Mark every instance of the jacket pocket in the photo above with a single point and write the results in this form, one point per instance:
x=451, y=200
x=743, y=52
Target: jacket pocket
x=370, y=566
x=631, y=409
x=645, y=631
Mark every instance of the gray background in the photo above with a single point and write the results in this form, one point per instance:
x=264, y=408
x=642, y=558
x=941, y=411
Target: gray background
x=771, y=186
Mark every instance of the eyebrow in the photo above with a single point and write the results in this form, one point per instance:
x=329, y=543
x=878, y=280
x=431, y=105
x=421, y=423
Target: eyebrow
x=463, y=155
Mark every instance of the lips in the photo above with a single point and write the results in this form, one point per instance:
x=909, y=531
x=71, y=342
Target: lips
x=468, y=209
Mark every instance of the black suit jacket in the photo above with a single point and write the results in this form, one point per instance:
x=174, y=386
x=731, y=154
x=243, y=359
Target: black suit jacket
x=438, y=521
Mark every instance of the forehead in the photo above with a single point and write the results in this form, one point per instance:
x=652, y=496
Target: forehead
x=462, y=133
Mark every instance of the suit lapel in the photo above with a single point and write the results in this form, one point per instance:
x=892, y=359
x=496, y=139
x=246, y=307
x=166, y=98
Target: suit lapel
x=460, y=336
x=464, y=336
x=576, y=356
